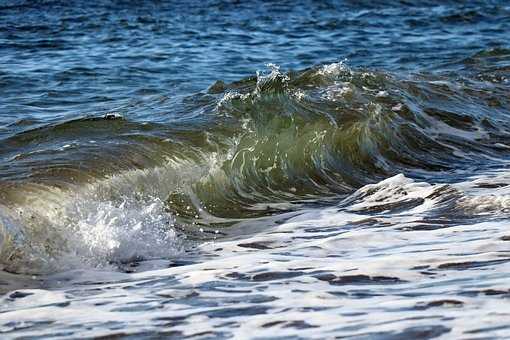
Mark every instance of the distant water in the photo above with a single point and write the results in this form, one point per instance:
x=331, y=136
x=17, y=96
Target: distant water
x=221, y=169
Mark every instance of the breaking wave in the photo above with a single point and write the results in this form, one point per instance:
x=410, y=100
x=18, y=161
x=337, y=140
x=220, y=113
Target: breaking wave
x=108, y=189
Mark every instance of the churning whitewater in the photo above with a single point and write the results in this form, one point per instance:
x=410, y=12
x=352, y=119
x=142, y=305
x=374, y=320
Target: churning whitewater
x=255, y=170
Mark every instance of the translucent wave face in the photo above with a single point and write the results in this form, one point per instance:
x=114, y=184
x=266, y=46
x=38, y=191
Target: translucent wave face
x=100, y=225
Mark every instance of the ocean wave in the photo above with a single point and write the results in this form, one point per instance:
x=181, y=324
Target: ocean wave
x=106, y=188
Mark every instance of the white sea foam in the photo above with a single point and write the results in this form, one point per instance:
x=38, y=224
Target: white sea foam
x=366, y=264
x=333, y=69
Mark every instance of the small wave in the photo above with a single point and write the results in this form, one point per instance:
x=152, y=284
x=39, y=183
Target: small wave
x=261, y=146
